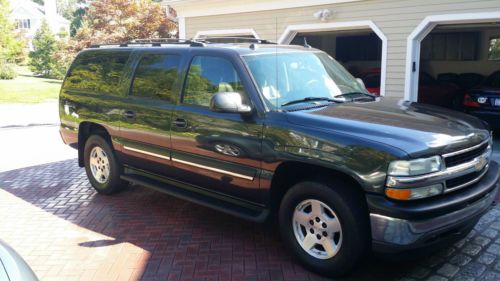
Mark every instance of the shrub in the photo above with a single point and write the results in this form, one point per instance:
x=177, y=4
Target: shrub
x=7, y=71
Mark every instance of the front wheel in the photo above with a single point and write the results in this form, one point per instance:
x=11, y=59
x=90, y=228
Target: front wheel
x=102, y=168
x=326, y=227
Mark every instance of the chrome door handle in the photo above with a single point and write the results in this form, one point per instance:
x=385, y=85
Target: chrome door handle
x=181, y=123
x=129, y=114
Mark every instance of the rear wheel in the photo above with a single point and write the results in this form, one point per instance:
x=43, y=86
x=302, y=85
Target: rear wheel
x=325, y=226
x=101, y=165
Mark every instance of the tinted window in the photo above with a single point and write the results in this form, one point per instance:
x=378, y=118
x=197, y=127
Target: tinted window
x=155, y=77
x=210, y=75
x=97, y=72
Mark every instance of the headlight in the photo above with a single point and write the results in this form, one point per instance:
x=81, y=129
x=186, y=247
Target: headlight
x=415, y=167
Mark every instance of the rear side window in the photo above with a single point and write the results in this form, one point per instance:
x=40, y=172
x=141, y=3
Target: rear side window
x=98, y=72
x=155, y=77
x=210, y=75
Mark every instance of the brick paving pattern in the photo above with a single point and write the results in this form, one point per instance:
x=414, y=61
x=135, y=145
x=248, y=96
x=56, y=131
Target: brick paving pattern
x=66, y=231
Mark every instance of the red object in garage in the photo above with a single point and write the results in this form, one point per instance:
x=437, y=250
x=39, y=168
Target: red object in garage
x=430, y=91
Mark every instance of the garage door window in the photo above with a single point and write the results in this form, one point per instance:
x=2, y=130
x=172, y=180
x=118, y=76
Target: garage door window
x=451, y=46
x=494, y=50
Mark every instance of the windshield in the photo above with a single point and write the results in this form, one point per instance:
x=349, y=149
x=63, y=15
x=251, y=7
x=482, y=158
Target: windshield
x=282, y=78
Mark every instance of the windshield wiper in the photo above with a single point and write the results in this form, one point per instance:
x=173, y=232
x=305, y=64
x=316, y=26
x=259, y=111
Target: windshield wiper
x=308, y=99
x=356, y=93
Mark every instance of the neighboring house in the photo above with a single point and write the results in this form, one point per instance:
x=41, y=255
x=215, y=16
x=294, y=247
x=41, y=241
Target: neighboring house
x=28, y=16
x=386, y=36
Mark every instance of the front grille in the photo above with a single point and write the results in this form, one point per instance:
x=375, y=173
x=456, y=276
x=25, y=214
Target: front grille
x=459, y=181
x=467, y=156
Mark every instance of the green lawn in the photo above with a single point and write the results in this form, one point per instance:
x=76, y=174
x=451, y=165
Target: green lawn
x=29, y=89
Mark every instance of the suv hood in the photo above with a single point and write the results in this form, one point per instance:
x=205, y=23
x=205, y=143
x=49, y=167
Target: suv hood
x=419, y=130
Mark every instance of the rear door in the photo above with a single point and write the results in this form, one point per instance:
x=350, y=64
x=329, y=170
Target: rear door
x=146, y=121
x=218, y=151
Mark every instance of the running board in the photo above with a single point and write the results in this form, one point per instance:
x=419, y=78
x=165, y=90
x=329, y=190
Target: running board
x=239, y=209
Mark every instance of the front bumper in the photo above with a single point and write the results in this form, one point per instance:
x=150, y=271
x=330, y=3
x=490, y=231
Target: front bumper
x=69, y=135
x=397, y=226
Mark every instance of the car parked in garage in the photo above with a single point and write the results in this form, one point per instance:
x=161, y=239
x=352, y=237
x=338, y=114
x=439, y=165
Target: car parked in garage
x=255, y=128
x=484, y=101
x=430, y=91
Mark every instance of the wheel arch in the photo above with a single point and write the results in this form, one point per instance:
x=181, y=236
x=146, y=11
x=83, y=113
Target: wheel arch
x=290, y=172
x=85, y=130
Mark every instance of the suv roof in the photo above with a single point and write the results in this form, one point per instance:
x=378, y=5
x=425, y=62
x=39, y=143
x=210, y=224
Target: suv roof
x=241, y=45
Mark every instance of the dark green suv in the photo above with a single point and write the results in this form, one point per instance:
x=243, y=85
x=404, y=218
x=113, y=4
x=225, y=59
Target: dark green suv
x=253, y=129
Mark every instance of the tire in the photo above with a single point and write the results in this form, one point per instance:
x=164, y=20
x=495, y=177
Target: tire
x=102, y=168
x=339, y=235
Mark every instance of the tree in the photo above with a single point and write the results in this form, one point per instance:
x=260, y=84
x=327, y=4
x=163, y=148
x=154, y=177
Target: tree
x=10, y=47
x=65, y=8
x=77, y=19
x=42, y=58
x=111, y=21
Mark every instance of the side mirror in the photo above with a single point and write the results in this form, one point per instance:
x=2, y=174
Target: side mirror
x=229, y=102
x=360, y=82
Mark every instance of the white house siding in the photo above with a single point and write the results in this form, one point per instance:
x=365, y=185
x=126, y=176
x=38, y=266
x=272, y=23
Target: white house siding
x=396, y=19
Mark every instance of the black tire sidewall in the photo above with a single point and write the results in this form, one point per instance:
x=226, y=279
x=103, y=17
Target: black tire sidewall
x=113, y=183
x=351, y=214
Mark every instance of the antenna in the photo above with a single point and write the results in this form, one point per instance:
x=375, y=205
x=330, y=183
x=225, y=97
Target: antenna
x=305, y=43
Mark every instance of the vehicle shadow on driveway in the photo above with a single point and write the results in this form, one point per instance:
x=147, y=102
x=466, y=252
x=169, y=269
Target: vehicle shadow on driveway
x=185, y=241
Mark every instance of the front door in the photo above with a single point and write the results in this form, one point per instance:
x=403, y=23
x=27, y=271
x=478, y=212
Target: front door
x=214, y=150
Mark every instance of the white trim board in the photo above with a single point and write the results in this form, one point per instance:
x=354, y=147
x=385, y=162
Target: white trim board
x=421, y=31
x=292, y=30
x=182, y=27
x=227, y=32
x=200, y=8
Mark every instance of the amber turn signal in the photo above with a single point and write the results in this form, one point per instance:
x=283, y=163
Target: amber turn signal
x=414, y=193
x=398, y=194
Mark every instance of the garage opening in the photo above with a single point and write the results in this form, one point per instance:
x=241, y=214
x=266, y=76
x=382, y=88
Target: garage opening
x=456, y=59
x=359, y=51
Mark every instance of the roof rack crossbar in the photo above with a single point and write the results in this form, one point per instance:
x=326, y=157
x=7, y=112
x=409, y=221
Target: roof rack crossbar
x=160, y=40
x=210, y=39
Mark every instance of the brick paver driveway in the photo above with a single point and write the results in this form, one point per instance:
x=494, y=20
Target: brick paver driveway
x=66, y=231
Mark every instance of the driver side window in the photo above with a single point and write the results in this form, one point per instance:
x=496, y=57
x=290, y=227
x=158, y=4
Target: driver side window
x=207, y=76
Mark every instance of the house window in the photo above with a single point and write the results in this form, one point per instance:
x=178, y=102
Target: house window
x=23, y=24
x=451, y=46
x=494, y=49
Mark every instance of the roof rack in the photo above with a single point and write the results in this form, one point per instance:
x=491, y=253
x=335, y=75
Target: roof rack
x=233, y=40
x=200, y=42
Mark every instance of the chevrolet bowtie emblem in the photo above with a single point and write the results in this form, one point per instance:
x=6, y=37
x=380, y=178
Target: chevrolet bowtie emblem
x=482, y=161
